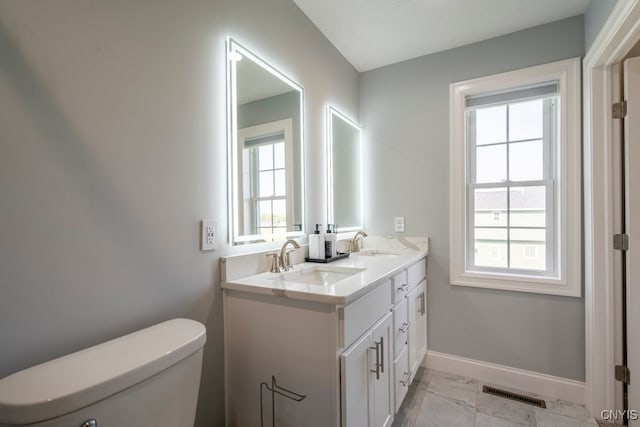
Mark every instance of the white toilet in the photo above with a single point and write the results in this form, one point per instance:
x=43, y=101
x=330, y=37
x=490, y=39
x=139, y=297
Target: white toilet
x=149, y=378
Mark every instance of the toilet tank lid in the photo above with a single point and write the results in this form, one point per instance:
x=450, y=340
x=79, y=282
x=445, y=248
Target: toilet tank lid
x=79, y=379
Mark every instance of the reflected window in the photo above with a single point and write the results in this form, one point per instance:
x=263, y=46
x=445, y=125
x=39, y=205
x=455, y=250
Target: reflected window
x=269, y=191
x=266, y=179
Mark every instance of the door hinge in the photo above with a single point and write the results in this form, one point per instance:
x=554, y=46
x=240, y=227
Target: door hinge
x=623, y=374
x=619, y=109
x=621, y=242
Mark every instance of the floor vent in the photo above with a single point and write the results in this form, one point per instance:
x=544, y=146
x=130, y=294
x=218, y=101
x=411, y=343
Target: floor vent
x=514, y=396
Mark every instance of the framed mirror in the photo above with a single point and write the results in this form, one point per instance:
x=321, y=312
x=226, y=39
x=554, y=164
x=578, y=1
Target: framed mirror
x=344, y=160
x=265, y=150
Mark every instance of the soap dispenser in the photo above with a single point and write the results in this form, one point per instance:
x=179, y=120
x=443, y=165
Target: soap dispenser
x=316, y=244
x=330, y=242
x=334, y=240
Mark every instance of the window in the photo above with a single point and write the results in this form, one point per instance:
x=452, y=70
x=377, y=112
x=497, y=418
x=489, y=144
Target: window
x=510, y=178
x=515, y=180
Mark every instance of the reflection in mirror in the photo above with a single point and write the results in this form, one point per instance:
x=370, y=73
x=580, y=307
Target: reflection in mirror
x=266, y=176
x=344, y=154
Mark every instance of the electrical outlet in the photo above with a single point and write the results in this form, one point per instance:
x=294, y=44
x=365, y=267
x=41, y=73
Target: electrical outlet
x=398, y=224
x=208, y=235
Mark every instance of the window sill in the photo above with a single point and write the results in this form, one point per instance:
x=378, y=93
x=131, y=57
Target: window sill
x=518, y=283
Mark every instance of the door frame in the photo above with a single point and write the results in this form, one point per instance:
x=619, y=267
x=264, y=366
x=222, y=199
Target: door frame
x=618, y=35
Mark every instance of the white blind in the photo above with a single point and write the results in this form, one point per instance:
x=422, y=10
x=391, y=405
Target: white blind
x=519, y=94
x=264, y=139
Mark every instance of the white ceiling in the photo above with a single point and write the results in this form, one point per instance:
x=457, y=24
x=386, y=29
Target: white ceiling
x=374, y=33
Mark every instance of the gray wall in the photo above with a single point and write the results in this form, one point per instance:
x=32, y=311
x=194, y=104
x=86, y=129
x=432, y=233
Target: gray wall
x=404, y=109
x=113, y=148
x=594, y=18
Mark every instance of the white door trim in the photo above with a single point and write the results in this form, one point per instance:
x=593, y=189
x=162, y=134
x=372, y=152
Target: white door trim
x=617, y=37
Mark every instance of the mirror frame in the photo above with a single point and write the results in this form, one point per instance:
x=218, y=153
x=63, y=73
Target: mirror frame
x=232, y=48
x=331, y=114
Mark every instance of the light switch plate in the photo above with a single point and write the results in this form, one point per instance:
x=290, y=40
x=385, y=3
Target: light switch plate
x=398, y=224
x=208, y=235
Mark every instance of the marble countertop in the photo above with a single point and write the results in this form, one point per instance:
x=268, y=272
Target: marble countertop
x=374, y=270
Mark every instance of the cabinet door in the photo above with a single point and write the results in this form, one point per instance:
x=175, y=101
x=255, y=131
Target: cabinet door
x=382, y=336
x=417, y=300
x=356, y=383
x=413, y=304
x=421, y=322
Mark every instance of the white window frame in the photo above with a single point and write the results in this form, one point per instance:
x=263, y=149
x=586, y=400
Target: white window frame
x=567, y=277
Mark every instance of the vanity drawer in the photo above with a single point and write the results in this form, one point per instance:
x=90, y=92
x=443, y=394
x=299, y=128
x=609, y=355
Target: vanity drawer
x=400, y=286
x=401, y=377
x=361, y=314
x=400, y=326
x=416, y=273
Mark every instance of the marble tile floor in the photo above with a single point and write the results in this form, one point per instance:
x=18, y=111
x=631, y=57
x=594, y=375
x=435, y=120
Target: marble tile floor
x=439, y=399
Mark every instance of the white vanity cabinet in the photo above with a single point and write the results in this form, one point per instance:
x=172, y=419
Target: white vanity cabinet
x=346, y=359
x=324, y=351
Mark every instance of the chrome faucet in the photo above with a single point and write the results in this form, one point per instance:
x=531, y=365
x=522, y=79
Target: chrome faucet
x=275, y=263
x=354, y=242
x=285, y=258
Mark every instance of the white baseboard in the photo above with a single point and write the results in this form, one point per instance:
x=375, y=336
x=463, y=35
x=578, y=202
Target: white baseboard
x=528, y=381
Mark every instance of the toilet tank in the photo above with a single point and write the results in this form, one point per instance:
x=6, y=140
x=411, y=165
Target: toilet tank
x=149, y=378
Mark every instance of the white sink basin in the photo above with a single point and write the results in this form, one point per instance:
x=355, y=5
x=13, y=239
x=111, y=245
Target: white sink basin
x=379, y=253
x=323, y=275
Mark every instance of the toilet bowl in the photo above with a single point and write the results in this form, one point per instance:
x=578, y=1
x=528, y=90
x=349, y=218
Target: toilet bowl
x=149, y=378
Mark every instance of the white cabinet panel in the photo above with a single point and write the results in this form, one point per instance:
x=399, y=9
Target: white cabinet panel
x=362, y=313
x=417, y=303
x=382, y=394
x=367, y=398
x=357, y=390
x=421, y=321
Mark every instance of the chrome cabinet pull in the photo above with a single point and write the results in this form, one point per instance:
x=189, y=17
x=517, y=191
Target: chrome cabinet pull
x=403, y=287
x=421, y=307
x=382, y=354
x=377, y=370
x=379, y=348
x=405, y=379
x=90, y=423
x=404, y=328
